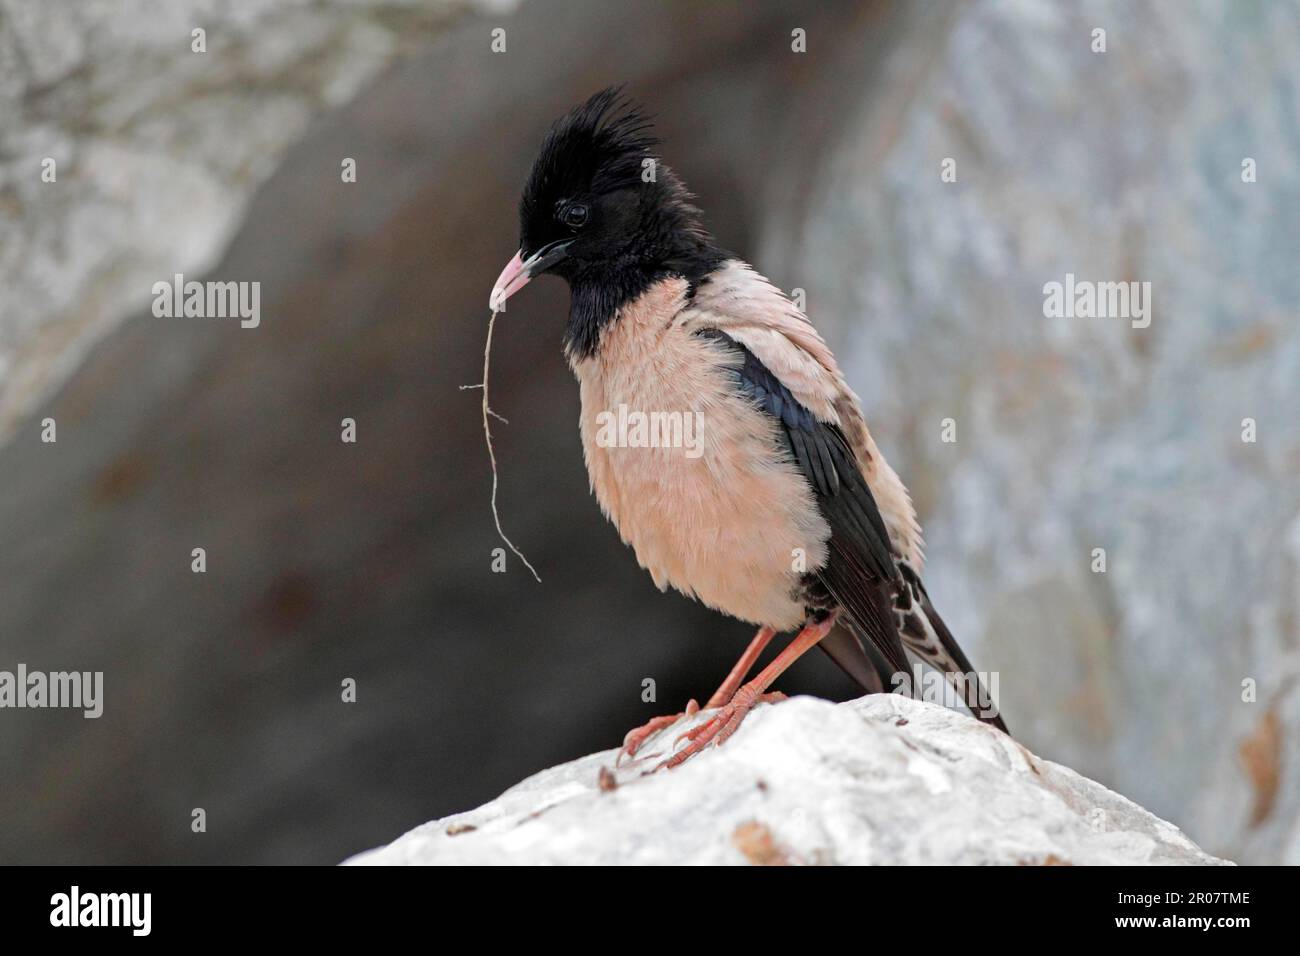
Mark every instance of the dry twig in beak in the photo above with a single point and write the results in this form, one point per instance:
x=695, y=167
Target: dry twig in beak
x=487, y=436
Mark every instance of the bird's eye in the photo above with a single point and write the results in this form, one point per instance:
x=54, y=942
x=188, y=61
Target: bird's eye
x=574, y=215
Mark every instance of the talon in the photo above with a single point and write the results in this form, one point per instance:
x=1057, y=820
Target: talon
x=637, y=736
x=720, y=726
x=693, y=732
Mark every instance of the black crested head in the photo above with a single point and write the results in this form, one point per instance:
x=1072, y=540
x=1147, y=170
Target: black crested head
x=607, y=216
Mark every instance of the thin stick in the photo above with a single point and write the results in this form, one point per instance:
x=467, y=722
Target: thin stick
x=487, y=435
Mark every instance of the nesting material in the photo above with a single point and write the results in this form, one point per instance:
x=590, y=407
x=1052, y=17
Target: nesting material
x=488, y=414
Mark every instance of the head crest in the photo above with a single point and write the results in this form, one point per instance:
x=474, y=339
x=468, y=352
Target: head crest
x=597, y=147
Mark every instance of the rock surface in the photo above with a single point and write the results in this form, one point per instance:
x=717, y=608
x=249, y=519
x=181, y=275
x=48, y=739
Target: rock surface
x=879, y=780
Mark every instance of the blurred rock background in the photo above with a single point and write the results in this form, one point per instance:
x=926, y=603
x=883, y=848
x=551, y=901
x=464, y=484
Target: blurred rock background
x=372, y=561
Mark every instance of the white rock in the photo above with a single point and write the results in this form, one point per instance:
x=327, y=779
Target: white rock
x=880, y=780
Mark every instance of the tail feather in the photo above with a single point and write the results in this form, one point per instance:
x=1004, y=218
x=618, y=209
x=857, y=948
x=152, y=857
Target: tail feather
x=926, y=636
x=850, y=653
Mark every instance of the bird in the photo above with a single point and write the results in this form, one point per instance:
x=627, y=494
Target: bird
x=784, y=513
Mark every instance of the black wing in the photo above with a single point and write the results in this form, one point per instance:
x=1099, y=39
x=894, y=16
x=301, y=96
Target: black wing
x=859, y=573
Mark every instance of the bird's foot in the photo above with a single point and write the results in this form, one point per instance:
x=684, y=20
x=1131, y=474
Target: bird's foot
x=637, y=737
x=720, y=726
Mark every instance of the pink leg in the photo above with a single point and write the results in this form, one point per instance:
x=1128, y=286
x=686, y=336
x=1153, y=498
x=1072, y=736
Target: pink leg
x=724, y=723
x=738, y=673
x=638, y=736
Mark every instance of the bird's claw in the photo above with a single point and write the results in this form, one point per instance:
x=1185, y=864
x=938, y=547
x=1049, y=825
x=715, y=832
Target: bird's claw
x=720, y=726
x=637, y=737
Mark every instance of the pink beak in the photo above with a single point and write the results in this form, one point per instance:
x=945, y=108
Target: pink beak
x=519, y=270
x=512, y=278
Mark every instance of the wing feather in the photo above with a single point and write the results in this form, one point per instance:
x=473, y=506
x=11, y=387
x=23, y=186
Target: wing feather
x=859, y=572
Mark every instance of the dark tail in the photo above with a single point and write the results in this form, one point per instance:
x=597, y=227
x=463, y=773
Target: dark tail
x=958, y=669
x=850, y=653
x=925, y=635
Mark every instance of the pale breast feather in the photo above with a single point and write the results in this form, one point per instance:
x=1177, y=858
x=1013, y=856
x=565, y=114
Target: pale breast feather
x=725, y=525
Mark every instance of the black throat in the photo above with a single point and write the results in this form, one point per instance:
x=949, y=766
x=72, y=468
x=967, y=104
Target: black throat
x=596, y=299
